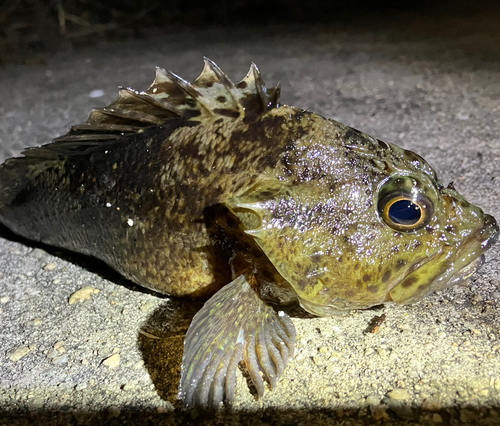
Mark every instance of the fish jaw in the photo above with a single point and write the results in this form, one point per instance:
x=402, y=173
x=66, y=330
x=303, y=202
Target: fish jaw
x=442, y=269
x=448, y=267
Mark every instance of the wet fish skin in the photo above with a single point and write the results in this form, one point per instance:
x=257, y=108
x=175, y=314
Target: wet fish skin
x=213, y=187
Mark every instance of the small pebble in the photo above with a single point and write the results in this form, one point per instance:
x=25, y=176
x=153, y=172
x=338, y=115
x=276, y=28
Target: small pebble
x=382, y=352
x=112, y=362
x=114, y=411
x=398, y=394
x=58, y=344
x=50, y=266
x=37, y=321
x=52, y=353
x=128, y=387
x=17, y=353
x=373, y=399
x=39, y=254
x=436, y=418
x=97, y=93
x=85, y=361
x=81, y=386
x=82, y=295
x=318, y=360
x=60, y=359
x=147, y=306
x=4, y=299
x=138, y=365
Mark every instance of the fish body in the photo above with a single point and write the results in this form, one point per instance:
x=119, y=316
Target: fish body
x=212, y=189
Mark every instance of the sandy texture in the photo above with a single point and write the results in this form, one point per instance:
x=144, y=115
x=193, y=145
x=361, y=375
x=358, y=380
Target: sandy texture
x=428, y=83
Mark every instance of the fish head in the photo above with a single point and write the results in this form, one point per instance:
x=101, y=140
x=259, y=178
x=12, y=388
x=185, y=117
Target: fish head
x=352, y=222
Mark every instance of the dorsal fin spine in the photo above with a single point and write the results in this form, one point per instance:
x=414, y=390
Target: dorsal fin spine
x=260, y=86
x=225, y=81
x=211, y=96
x=189, y=89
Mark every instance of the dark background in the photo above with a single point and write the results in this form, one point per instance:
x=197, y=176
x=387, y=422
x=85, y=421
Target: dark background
x=31, y=30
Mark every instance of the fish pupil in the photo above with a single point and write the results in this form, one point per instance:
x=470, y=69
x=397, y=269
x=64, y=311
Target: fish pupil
x=405, y=212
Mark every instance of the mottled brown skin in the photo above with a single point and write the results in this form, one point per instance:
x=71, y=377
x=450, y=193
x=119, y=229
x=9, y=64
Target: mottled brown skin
x=167, y=183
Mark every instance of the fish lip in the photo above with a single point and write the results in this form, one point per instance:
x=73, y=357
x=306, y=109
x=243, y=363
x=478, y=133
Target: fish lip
x=483, y=238
x=470, y=253
x=466, y=272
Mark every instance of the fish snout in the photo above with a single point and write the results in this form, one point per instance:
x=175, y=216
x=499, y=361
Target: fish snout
x=489, y=232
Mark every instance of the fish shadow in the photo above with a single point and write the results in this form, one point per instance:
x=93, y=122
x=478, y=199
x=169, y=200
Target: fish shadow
x=160, y=341
x=89, y=263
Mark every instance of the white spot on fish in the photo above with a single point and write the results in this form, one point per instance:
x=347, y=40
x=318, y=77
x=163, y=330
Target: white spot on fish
x=108, y=204
x=130, y=222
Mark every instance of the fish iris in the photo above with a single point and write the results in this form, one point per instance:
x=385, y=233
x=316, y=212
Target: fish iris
x=404, y=212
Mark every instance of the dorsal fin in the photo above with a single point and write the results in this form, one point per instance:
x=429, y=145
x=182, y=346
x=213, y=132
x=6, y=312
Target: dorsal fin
x=211, y=96
x=170, y=101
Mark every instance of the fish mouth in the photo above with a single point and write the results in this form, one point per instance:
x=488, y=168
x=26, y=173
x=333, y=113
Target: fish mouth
x=471, y=256
x=452, y=265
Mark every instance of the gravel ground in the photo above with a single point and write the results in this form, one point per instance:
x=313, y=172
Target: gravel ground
x=79, y=344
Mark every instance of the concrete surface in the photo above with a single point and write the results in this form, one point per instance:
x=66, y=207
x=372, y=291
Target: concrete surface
x=428, y=83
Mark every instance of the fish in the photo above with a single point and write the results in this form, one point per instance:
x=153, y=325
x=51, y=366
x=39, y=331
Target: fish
x=214, y=190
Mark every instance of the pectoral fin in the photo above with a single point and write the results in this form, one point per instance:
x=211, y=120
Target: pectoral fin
x=234, y=325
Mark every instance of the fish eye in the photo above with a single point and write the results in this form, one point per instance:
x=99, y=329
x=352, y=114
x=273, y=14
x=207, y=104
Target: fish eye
x=404, y=210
